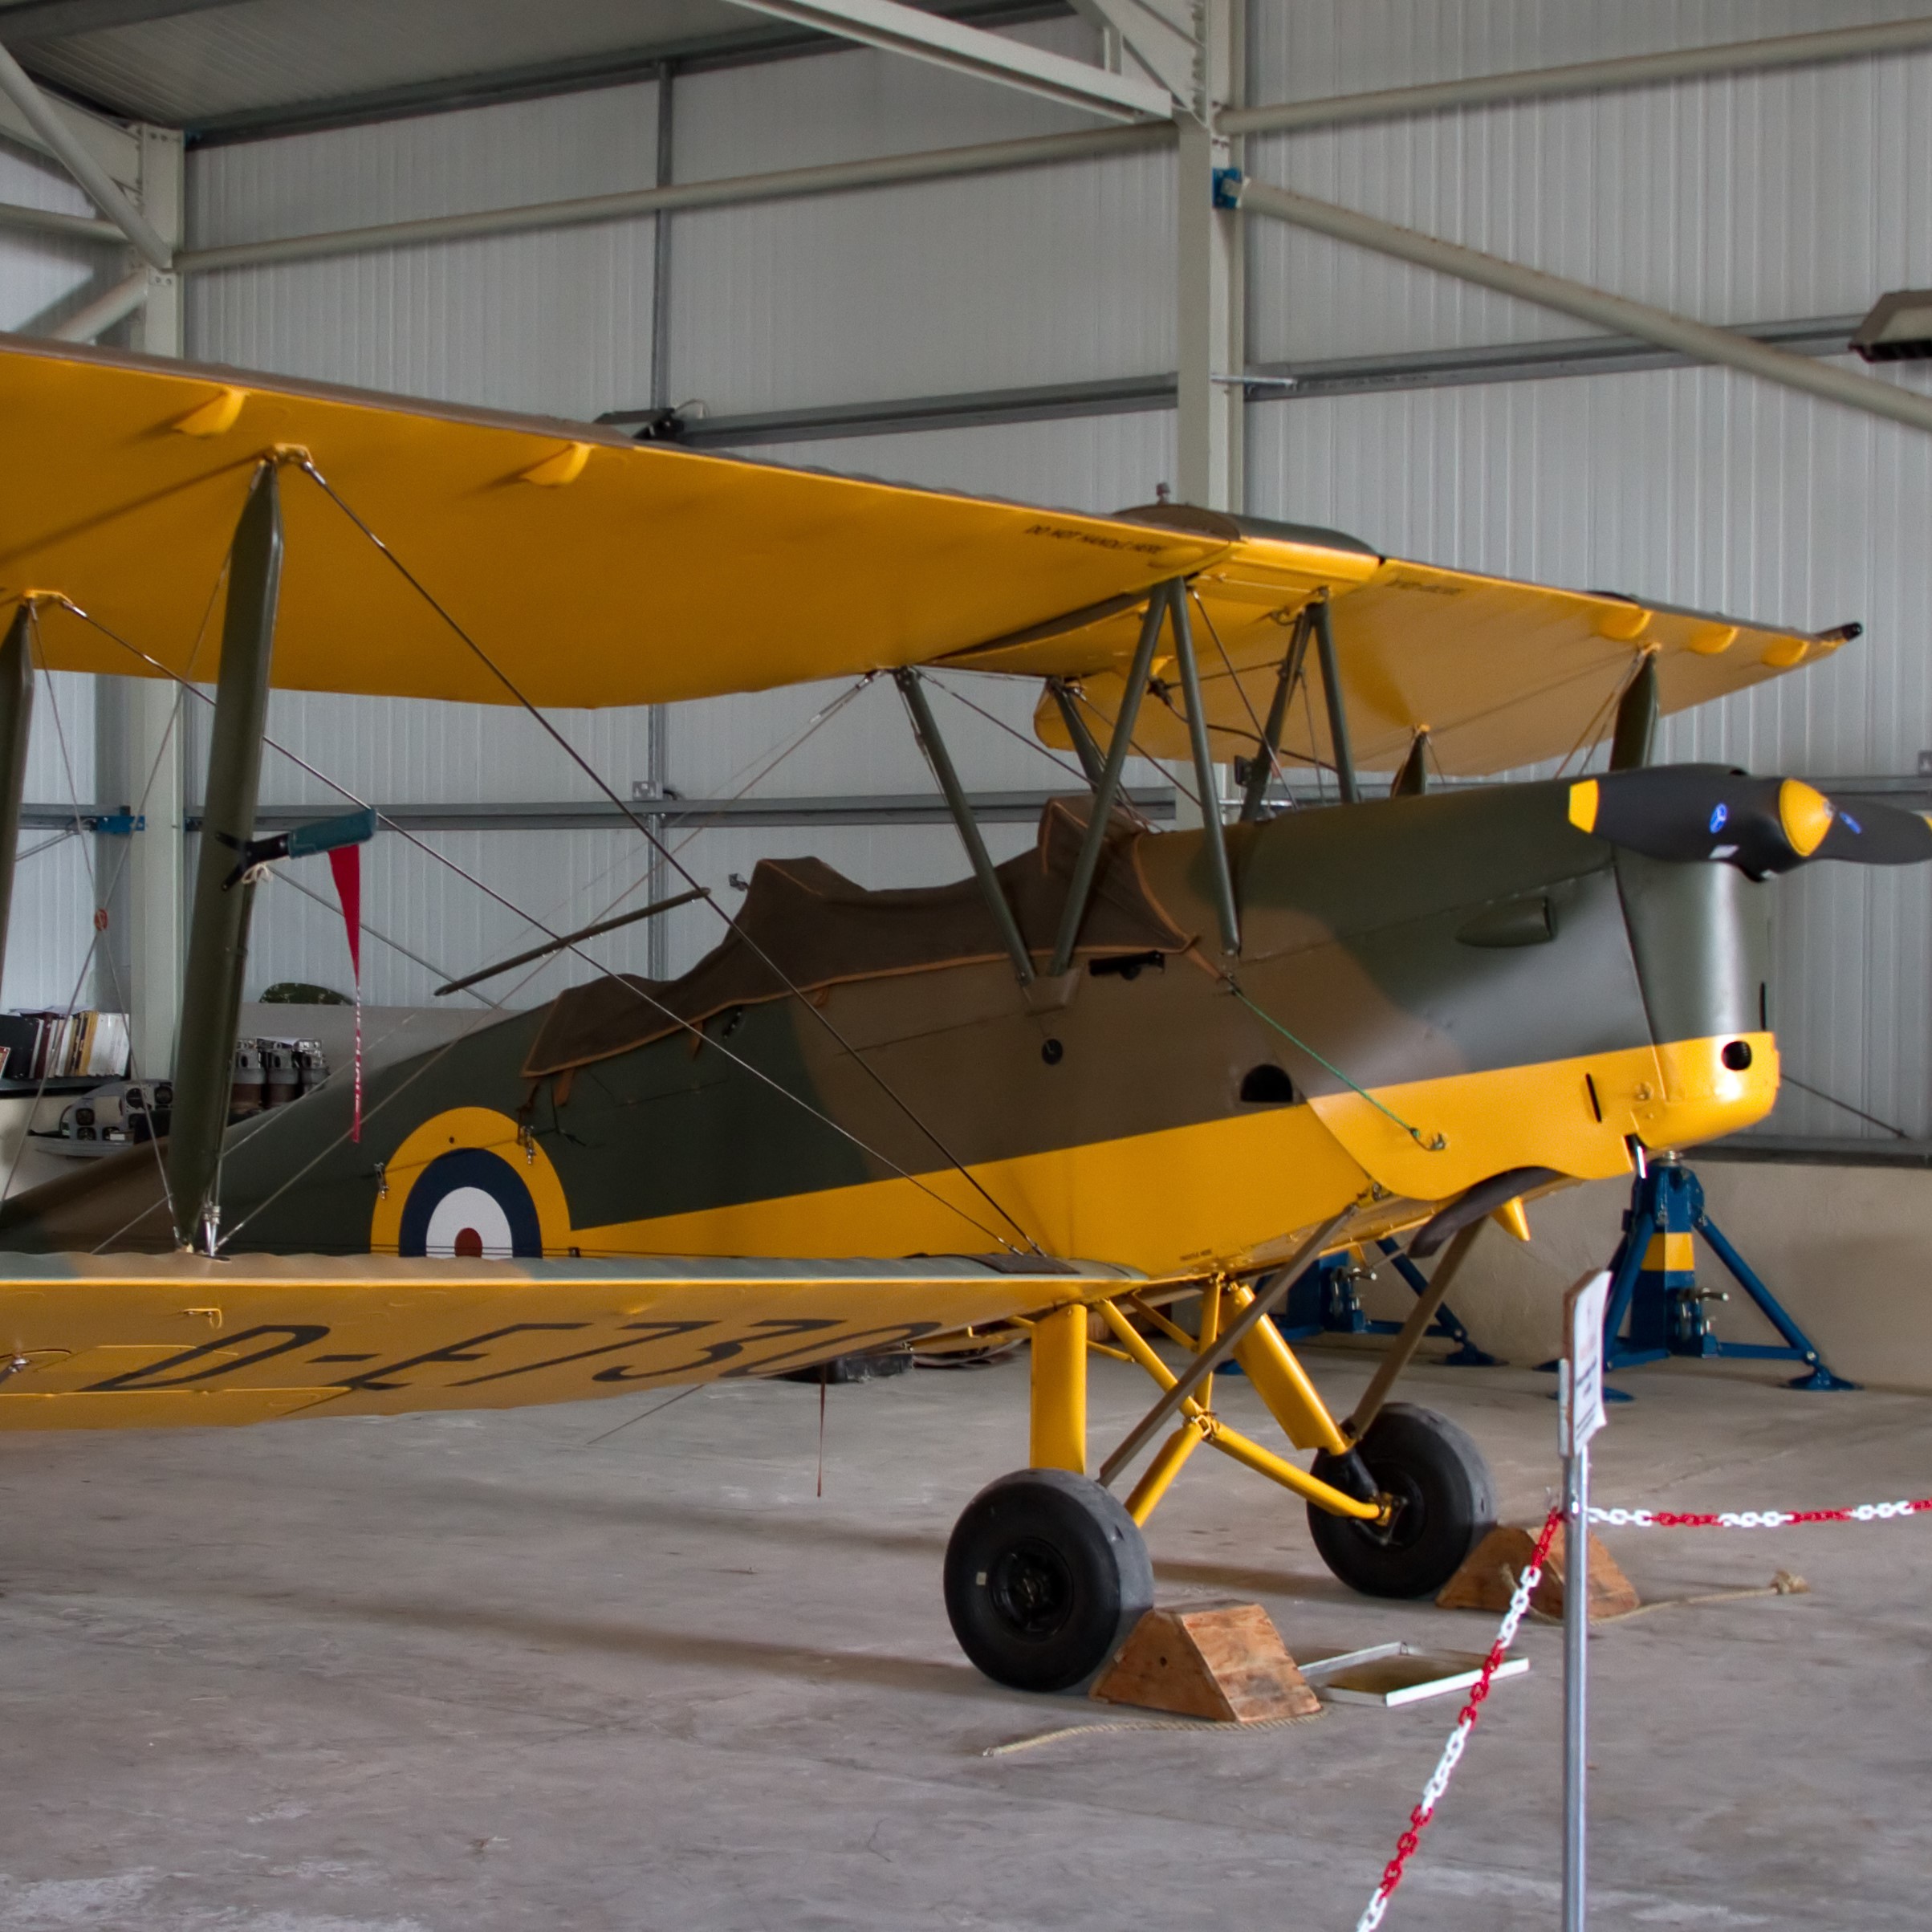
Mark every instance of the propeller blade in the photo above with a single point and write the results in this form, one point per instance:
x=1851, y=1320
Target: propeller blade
x=1761, y=825
x=1871, y=834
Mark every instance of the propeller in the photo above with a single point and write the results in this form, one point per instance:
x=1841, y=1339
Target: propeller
x=1760, y=825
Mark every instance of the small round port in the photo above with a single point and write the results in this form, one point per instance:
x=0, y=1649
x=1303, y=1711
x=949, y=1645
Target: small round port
x=1052, y=1052
x=1736, y=1055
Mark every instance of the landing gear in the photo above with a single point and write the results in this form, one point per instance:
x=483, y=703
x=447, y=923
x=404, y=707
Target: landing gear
x=1444, y=1496
x=1045, y=1575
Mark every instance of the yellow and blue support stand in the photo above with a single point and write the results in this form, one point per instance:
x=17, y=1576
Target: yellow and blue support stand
x=1653, y=1286
x=1326, y=1301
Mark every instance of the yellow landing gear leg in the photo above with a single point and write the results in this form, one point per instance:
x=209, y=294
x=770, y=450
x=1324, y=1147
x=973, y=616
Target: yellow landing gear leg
x=1418, y=1495
x=1046, y=1573
x=1060, y=1390
x=1199, y=1424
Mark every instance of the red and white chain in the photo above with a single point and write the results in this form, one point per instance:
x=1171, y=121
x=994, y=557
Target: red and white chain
x=1519, y=1609
x=1466, y=1723
x=1757, y=1519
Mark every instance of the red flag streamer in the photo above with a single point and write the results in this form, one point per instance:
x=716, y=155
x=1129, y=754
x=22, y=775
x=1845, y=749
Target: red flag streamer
x=345, y=862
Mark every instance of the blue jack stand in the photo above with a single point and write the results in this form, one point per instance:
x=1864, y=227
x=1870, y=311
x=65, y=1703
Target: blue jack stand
x=1653, y=1284
x=1325, y=1300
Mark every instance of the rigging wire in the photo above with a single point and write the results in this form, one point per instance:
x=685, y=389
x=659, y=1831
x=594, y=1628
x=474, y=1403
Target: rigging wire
x=33, y=852
x=1434, y=1143
x=1321, y=768
x=307, y=466
x=1133, y=744
x=1792, y=1079
x=86, y=960
x=394, y=945
x=1241, y=690
x=776, y=754
x=1032, y=744
x=634, y=987
x=1592, y=732
x=500, y=1006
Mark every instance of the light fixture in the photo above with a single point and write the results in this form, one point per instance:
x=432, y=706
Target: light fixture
x=1899, y=329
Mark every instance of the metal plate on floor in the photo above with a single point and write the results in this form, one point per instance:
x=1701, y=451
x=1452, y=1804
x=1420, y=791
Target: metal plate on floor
x=1391, y=1675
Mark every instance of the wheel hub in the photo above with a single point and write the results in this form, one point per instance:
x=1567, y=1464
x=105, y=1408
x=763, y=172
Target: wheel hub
x=1032, y=1588
x=1403, y=1512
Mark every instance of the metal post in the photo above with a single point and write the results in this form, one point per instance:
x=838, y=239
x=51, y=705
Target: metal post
x=1338, y=709
x=1213, y=833
x=1575, y=1666
x=1207, y=261
x=1085, y=749
x=1579, y=1415
x=1108, y=787
x=150, y=730
x=16, y=715
x=912, y=688
x=1285, y=681
x=218, y=941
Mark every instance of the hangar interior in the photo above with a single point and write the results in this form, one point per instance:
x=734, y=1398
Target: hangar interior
x=788, y=234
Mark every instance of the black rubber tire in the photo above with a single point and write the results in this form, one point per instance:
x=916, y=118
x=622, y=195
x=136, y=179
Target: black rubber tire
x=1447, y=1503
x=1045, y=1575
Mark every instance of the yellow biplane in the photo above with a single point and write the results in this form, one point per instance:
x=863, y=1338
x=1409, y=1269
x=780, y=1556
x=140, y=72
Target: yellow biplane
x=1125, y=1073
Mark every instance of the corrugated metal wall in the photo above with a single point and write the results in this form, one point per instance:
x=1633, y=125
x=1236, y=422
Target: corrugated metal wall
x=1743, y=199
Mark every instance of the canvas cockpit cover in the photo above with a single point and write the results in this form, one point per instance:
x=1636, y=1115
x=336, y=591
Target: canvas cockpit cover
x=803, y=920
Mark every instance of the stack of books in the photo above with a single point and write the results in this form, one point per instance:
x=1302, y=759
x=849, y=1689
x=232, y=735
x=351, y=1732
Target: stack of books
x=86, y=1045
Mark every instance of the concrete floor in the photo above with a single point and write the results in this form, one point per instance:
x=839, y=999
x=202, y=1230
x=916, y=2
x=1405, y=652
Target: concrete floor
x=490, y=1672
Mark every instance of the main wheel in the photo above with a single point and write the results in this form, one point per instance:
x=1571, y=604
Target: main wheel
x=1045, y=1574
x=1445, y=1502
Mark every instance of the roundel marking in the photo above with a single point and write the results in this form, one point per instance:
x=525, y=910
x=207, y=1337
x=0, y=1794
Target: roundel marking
x=515, y=1174
x=471, y=1204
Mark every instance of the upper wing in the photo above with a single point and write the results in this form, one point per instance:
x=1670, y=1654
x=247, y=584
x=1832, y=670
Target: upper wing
x=594, y=570
x=1500, y=674
x=142, y=1341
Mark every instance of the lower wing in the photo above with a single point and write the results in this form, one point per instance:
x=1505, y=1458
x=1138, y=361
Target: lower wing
x=147, y=1341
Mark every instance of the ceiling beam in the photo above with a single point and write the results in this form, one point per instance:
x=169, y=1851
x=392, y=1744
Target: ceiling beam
x=56, y=19
x=1697, y=339
x=1161, y=35
x=111, y=306
x=57, y=134
x=52, y=221
x=969, y=50
x=787, y=183
x=112, y=146
x=1585, y=77
x=608, y=66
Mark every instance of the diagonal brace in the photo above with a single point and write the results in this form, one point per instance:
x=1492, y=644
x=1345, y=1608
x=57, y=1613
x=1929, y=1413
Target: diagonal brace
x=1206, y=1363
x=1338, y=705
x=1214, y=832
x=1285, y=681
x=1108, y=787
x=912, y=688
